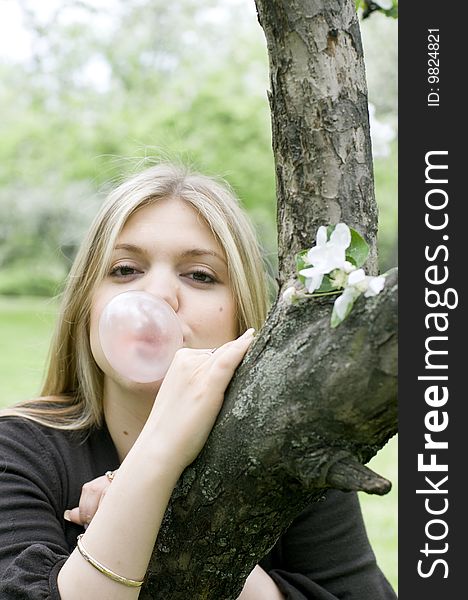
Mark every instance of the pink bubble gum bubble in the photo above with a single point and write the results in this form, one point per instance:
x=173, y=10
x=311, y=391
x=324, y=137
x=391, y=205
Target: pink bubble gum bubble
x=139, y=335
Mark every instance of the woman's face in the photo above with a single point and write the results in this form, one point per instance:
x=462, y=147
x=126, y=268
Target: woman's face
x=167, y=249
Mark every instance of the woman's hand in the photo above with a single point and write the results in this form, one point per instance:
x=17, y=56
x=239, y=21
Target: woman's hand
x=183, y=415
x=92, y=494
x=189, y=400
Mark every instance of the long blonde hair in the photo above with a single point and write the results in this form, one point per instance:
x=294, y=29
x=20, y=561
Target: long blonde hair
x=71, y=397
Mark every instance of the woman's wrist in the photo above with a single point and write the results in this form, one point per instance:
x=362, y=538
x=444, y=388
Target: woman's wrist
x=154, y=459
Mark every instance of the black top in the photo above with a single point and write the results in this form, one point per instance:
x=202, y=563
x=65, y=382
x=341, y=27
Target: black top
x=324, y=555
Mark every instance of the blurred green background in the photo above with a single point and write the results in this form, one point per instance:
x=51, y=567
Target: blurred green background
x=94, y=90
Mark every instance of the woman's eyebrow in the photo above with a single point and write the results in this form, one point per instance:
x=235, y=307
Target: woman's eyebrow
x=201, y=252
x=131, y=248
x=184, y=254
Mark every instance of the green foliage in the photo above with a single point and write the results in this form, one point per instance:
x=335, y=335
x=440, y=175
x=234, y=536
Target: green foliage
x=388, y=7
x=66, y=138
x=358, y=250
x=386, y=191
x=30, y=281
x=40, y=230
x=301, y=262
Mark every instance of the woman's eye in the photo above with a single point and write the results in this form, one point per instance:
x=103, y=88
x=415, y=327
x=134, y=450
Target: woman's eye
x=123, y=271
x=202, y=277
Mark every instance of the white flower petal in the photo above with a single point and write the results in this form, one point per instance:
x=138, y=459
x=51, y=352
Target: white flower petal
x=309, y=272
x=326, y=258
x=317, y=255
x=321, y=236
x=343, y=302
x=314, y=283
x=348, y=267
x=309, y=258
x=356, y=277
x=334, y=259
x=374, y=286
x=341, y=235
x=313, y=278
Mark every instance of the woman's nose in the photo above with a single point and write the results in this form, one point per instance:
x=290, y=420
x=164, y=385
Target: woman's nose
x=163, y=284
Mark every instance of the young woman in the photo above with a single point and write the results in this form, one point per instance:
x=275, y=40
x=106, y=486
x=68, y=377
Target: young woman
x=97, y=456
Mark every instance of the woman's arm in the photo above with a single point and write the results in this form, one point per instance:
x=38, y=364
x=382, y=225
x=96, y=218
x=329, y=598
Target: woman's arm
x=122, y=534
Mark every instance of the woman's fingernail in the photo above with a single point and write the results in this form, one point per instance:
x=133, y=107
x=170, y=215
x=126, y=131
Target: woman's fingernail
x=248, y=333
x=66, y=515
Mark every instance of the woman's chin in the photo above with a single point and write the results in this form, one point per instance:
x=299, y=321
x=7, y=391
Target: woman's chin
x=127, y=385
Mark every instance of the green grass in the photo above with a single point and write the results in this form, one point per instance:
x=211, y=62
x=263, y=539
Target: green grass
x=381, y=512
x=25, y=329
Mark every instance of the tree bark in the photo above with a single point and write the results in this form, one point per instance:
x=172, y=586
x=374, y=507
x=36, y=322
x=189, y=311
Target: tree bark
x=309, y=404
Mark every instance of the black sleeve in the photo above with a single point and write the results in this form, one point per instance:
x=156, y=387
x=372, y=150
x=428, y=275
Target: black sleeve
x=33, y=544
x=325, y=555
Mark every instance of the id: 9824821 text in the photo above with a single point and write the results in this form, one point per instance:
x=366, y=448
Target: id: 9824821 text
x=433, y=67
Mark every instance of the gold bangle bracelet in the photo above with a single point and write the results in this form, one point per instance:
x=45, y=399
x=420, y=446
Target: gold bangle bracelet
x=104, y=570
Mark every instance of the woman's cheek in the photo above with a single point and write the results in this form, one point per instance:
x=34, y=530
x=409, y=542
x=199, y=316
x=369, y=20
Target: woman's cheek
x=95, y=344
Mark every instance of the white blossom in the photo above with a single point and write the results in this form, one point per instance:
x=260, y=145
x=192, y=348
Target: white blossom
x=313, y=277
x=367, y=285
x=344, y=302
x=358, y=283
x=326, y=256
x=375, y=286
x=358, y=280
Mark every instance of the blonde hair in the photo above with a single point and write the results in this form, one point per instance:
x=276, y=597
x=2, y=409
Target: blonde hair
x=71, y=397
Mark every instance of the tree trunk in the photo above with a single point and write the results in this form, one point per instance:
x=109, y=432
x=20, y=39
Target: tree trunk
x=309, y=404
x=320, y=122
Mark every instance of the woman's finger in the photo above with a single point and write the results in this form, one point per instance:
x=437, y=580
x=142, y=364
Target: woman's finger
x=90, y=499
x=227, y=358
x=220, y=349
x=234, y=347
x=73, y=515
x=90, y=495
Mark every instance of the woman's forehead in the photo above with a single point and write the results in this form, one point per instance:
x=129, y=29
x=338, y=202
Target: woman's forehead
x=171, y=222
